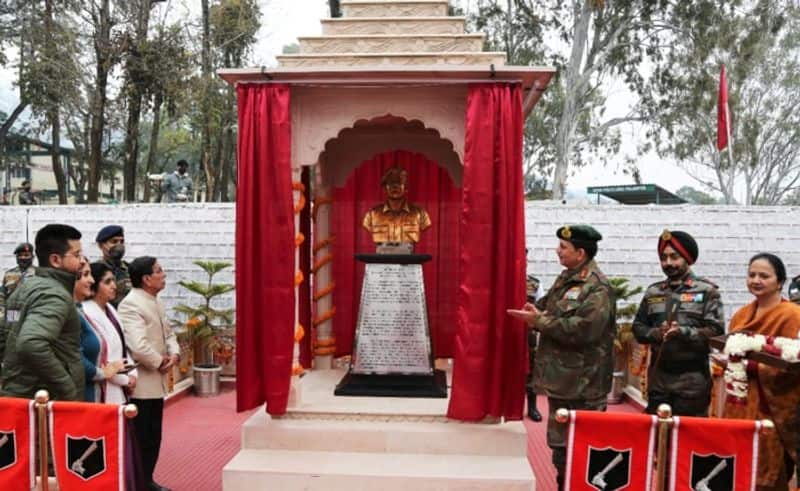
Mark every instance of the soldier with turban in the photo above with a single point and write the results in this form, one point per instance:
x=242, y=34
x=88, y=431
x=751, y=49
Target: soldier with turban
x=676, y=317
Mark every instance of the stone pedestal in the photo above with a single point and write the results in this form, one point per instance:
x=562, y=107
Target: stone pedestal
x=392, y=352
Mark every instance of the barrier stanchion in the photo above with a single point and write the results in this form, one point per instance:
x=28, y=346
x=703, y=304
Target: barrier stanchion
x=41, y=398
x=664, y=413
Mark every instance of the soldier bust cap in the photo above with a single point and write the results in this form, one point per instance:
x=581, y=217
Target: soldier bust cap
x=683, y=243
x=578, y=233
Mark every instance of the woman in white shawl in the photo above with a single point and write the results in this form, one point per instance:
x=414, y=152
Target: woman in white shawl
x=102, y=316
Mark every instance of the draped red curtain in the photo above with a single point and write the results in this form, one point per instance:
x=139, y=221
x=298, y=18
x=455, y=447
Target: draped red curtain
x=490, y=348
x=265, y=249
x=429, y=186
x=304, y=290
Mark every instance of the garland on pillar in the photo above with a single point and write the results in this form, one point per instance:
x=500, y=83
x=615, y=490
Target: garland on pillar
x=299, y=332
x=325, y=346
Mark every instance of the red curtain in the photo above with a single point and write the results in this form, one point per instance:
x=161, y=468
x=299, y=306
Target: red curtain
x=429, y=186
x=265, y=266
x=490, y=356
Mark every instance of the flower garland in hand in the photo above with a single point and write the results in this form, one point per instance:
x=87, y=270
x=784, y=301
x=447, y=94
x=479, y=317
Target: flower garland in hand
x=738, y=345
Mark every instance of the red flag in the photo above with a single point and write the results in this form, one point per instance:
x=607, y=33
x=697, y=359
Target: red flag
x=710, y=454
x=610, y=451
x=723, y=114
x=17, y=444
x=88, y=446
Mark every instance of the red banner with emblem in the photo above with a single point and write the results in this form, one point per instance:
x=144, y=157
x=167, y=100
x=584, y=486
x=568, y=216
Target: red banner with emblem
x=709, y=454
x=17, y=444
x=610, y=451
x=88, y=446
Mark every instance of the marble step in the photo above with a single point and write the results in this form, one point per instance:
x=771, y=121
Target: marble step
x=393, y=25
x=379, y=43
x=257, y=470
x=392, y=59
x=394, y=8
x=318, y=433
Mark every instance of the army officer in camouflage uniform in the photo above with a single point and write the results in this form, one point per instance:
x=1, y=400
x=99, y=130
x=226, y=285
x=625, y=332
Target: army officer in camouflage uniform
x=14, y=276
x=676, y=318
x=111, y=242
x=576, y=325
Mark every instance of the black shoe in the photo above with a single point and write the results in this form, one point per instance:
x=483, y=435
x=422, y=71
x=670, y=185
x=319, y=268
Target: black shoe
x=154, y=486
x=533, y=412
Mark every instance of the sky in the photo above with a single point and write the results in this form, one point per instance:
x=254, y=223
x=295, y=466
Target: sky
x=285, y=20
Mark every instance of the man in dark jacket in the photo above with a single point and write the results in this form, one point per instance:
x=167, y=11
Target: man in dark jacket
x=576, y=325
x=676, y=318
x=43, y=344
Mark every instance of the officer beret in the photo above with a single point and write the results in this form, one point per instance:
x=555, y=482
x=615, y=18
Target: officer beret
x=24, y=247
x=108, y=232
x=683, y=243
x=580, y=233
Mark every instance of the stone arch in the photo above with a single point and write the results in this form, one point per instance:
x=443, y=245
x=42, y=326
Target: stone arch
x=318, y=112
x=367, y=138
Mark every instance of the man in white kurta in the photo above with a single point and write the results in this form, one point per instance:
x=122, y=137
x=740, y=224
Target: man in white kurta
x=154, y=346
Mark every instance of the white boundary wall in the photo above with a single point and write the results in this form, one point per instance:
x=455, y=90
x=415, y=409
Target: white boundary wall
x=177, y=234
x=727, y=237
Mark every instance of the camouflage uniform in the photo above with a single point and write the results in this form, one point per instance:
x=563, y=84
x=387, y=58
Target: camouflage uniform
x=574, y=362
x=11, y=279
x=680, y=377
x=122, y=277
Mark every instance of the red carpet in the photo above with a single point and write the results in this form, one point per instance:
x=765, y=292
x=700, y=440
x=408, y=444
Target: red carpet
x=200, y=436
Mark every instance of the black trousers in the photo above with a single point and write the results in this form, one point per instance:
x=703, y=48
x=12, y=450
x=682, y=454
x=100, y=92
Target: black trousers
x=147, y=425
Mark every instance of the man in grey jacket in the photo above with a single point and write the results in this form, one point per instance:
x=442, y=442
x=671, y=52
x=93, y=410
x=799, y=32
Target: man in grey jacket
x=178, y=185
x=42, y=348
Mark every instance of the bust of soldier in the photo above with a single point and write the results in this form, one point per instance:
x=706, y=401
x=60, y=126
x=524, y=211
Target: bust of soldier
x=396, y=220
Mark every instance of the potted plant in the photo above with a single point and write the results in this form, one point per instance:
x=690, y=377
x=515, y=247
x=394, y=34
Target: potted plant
x=624, y=334
x=203, y=325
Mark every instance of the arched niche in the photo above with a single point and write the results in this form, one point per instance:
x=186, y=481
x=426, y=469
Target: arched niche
x=321, y=112
x=365, y=139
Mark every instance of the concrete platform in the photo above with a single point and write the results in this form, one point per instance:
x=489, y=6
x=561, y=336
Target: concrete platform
x=388, y=443
x=304, y=470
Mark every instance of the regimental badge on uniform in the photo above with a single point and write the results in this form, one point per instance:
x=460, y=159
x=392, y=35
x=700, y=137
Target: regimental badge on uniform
x=573, y=293
x=608, y=468
x=712, y=472
x=8, y=449
x=86, y=458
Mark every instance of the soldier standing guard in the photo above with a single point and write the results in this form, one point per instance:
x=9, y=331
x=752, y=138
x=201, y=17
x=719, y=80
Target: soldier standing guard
x=532, y=294
x=111, y=242
x=576, y=324
x=676, y=318
x=11, y=280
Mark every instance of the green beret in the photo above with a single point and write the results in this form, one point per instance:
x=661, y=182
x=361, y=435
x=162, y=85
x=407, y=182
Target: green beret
x=584, y=233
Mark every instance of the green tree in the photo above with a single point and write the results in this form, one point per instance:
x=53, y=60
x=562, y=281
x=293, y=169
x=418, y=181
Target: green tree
x=589, y=42
x=758, y=43
x=696, y=196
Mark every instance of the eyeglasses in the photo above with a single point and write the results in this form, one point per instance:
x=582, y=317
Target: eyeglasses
x=76, y=255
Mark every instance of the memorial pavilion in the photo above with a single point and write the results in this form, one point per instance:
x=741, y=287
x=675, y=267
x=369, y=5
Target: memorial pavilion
x=392, y=82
